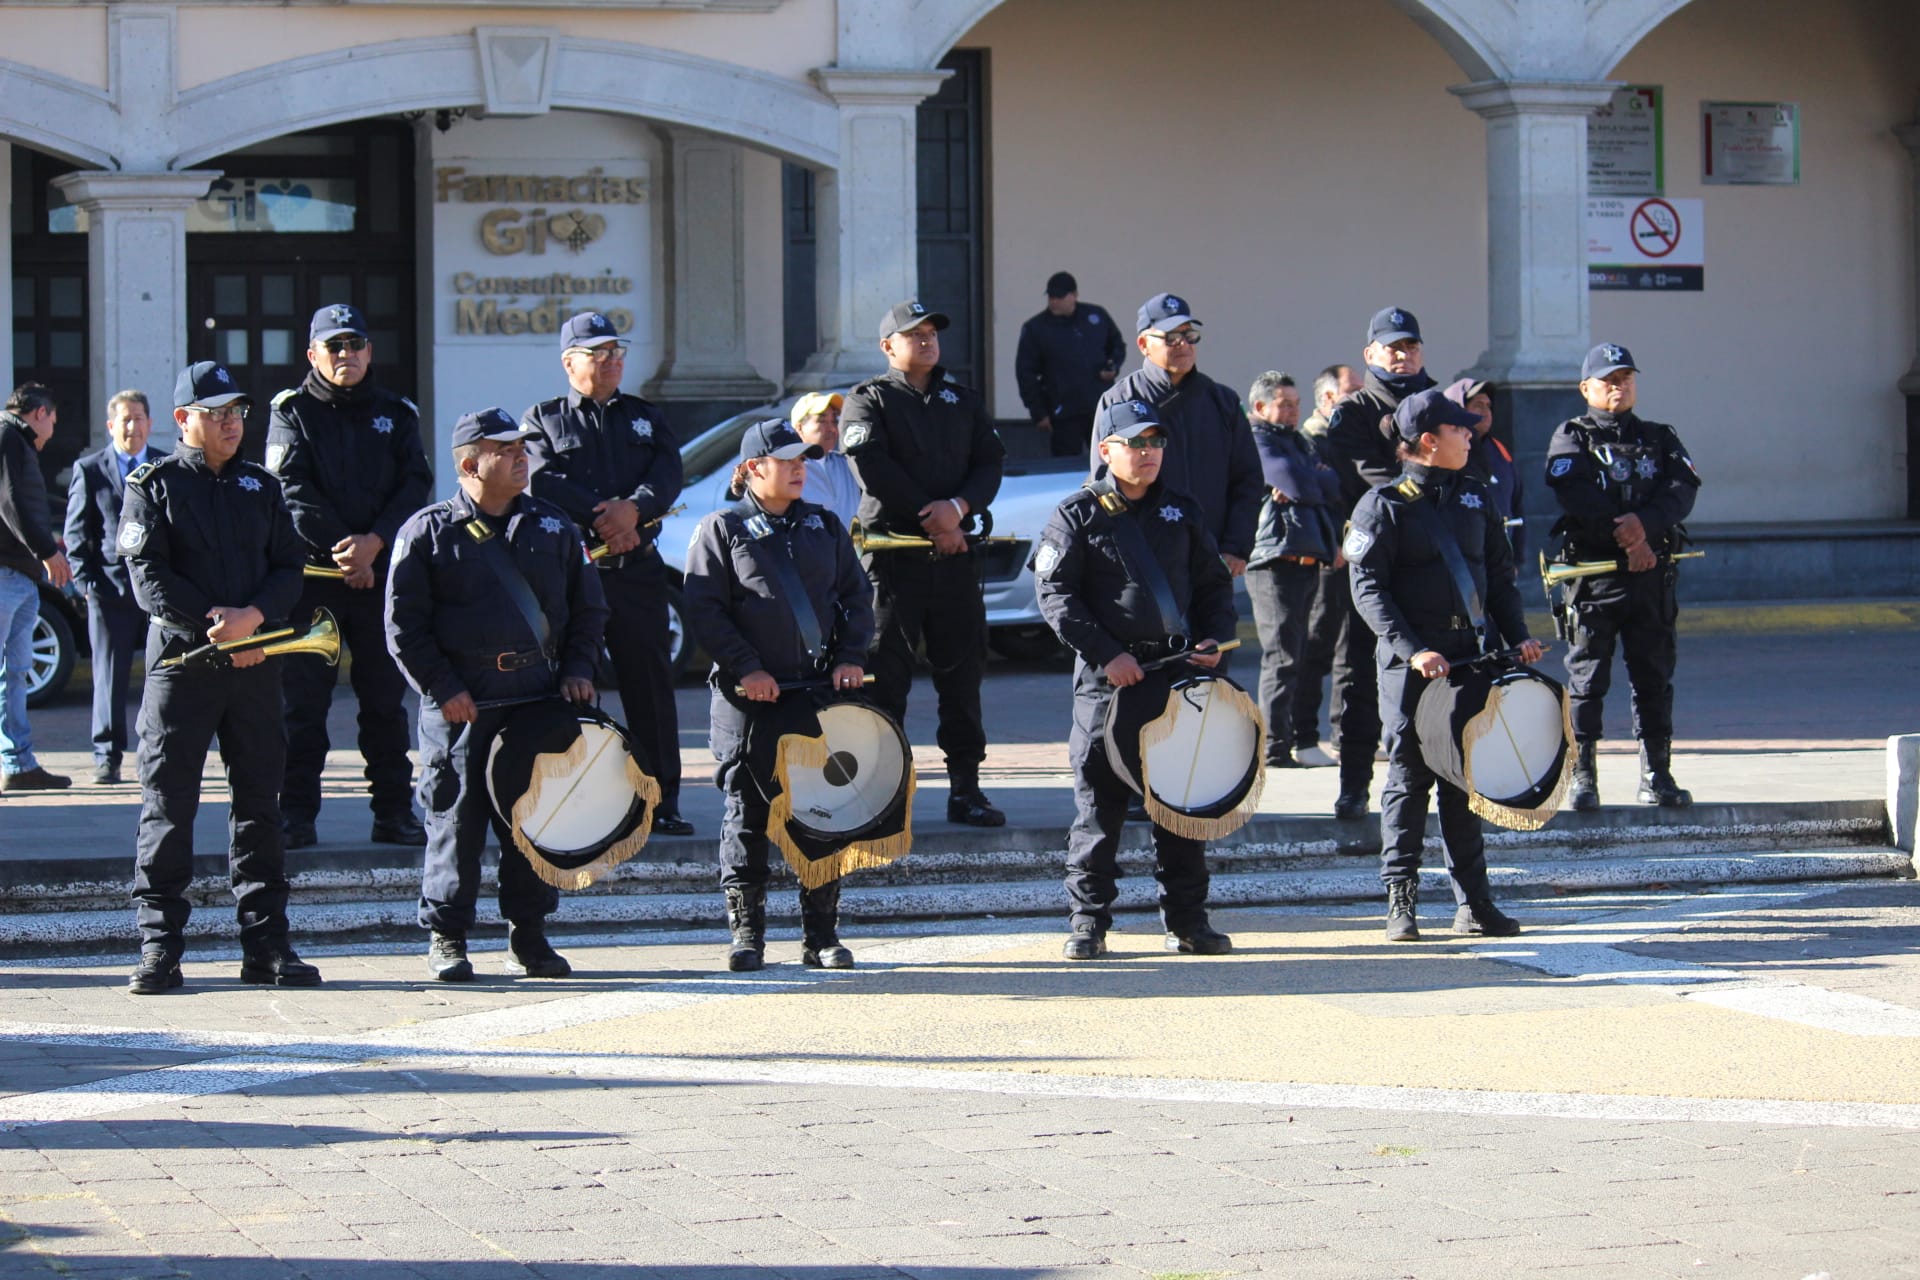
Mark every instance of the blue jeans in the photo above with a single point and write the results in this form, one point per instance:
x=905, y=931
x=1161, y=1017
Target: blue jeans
x=19, y=610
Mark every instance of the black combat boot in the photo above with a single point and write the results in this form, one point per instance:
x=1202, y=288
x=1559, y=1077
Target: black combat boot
x=1403, y=902
x=1656, y=776
x=1482, y=917
x=530, y=955
x=272, y=962
x=820, y=928
x=747, y=920
x=1584, y=795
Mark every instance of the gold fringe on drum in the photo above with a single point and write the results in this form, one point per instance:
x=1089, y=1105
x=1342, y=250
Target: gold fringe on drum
x=802, y=752
x=1492, y=810
x=562, y=764
x=1186, y=824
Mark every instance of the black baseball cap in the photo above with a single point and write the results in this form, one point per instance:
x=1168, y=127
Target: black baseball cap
x=1165, y=312
x=1605, y=359
x=1430, y=410
x=589, y=329
x=1394, y=324
x=1062, y=283
x=909, y=315
x=775, y=438
x=1125, y=419
x=489, y=424
x=207, y=385
x=332, y=321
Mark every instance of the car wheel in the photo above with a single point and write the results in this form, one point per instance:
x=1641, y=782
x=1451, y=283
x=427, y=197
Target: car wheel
x=1024, y=644
x=54, y=653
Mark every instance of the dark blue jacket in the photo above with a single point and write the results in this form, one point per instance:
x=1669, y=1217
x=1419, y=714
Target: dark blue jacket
x=350, y=461
x=1059, y=361
x=1303, y=526
x=1600, y=467
x=95, y=493
x=1361, y=442
x=587, y=453
x=1209, y=453
x=910, y=447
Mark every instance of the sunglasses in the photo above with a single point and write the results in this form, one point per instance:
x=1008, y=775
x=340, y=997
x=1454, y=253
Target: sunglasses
x=599, y=355
x=1144, y=443
x=341, y=346
x=1178, y=338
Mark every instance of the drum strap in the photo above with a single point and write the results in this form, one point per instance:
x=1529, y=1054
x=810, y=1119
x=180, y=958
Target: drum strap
x=1142, y=567
x=1456, y=562
x=494, y=551
x=761, y=528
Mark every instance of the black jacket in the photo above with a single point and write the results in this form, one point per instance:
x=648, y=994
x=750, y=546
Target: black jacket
x=586, y=454
x=1304, y=525
x=26, y=525
x=1059, y=361
x=349, y=460
x=1209, y=453
x=1096, y=601
x=448, y=617
x=95, y=494
x=1402, y=586
x=738, y=608
x=194, y=538
x=909, y=448
x=1361, y=442
x=1600, y=467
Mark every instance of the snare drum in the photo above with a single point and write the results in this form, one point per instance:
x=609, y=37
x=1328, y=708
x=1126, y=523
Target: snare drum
x=843, y=799
x=1191, y=745
x=564, y=780
x=1503, y=737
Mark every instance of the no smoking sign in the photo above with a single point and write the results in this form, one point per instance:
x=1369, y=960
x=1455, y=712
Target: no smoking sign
x=1655, y=227
x=1646, y=242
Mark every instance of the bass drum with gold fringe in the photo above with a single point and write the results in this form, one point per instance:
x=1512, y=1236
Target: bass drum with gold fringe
x=564, y=780
x=1503, y=735
x=1192, y=745
x=841, y=798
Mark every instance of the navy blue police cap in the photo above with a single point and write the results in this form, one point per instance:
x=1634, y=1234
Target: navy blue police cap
x=910, y=314
x=1125, y=419
x=489, y=424
x=207, y=385
x=1164, y=312
x=333, y=320
x=1607, y=358
x=1391, y=325
x=775, y=438
x=1430, y=410
x=589, y=329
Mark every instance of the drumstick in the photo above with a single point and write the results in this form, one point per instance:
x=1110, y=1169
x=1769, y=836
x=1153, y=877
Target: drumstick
x=740, y=690
x=1184, y=654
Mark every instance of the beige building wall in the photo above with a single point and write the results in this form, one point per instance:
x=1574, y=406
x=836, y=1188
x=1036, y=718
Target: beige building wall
x=65, y=40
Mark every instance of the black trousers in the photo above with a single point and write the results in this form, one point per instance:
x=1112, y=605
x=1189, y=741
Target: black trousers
x=637, y=641
x=916, y=597
x=743, y=820
x=115, y=628
x=458, y=815
x=1639, y=610
x=1316, y=659
x=1356, y=691
x=181, y=713
x=378, y=686
x=1403, y=802
x=1281, y=592
x=1100, y=812
x=1072, y=435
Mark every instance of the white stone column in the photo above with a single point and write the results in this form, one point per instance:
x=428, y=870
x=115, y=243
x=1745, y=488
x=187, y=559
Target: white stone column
x=136, y=278
x=866, y=219
x=705, y=261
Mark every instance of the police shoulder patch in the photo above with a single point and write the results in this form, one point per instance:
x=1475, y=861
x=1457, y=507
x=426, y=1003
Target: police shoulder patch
x=1358, y=543
x=1560, y=466
x=133, y=535
x=276, y=457
x=1046, y=560
x=858, y=434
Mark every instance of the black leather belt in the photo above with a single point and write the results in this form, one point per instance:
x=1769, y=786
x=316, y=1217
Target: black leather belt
x=512, y=660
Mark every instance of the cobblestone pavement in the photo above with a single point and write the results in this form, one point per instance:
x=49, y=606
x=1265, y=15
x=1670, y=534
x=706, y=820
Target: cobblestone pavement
x=1640, y=1085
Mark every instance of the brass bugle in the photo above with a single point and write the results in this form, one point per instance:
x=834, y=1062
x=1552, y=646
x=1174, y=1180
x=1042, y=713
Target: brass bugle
x=322, y=638
x=1552, y=575
x=601, y=550
x=864, y=541
x=323, y=571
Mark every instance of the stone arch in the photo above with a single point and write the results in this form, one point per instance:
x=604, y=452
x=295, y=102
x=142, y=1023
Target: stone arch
x=777, y=115
x=54, y=114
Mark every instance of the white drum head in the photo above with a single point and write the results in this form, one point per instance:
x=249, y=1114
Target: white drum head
x=865, y=773
x=1520, y=749
x=1203, y=761
x=584, y=807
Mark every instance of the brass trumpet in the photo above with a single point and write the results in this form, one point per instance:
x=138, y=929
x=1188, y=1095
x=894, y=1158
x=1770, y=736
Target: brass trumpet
x=323, y=571
x=1552, y=575
x=864, y=541
x=600, y=551
x=322, y=638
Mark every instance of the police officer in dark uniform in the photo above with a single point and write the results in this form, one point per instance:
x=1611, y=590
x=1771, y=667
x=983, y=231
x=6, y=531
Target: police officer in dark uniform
x=608, y=460
x=1404, y=588
x=1624, y=485
x=207, y=539
x=741, y=570
x=1363, y=448
x=462, y=624
x=350, y=461
x=927, y=458
x=1100, y=605
x=1068, y=356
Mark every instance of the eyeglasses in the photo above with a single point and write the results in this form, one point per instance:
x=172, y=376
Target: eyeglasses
x=341, y=346
x=225, y=413
x=918, y=337
x=1144, y=443
x=1178, y=338
x=599, y=355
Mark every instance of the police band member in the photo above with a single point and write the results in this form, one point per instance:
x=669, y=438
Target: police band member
x=1068, y=355
x=214, y=558
x=115, y=626
x=350, y=461
x=928, y=458
x=608, y=460
x=488, y=600
x=778, y=596
x=1624, y=485
x=1102, y=604
x=1403, y=586
x=1362, y=446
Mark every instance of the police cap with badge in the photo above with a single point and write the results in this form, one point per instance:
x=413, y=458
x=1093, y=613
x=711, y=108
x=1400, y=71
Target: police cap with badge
x=205, y=385
x=910, y=314
x=1393, y=324
x=1163, y=313
x=590, y=329
x=334, y=320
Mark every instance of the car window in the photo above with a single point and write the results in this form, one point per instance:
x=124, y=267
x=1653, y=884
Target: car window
x=707, y=452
